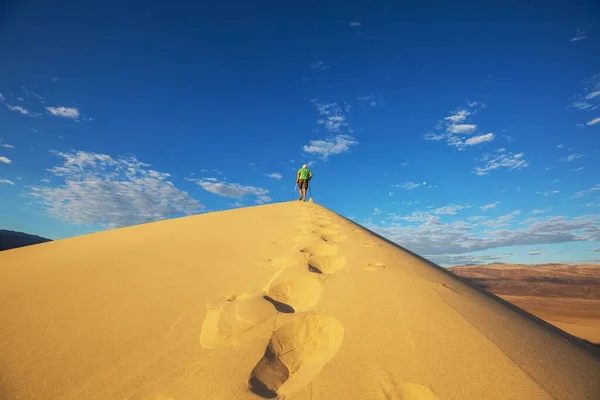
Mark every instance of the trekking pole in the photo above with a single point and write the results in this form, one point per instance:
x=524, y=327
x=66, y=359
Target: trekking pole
x=293, y=193
x=310, y=190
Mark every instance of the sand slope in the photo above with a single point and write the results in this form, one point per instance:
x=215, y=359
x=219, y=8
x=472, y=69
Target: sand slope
x=285, y=300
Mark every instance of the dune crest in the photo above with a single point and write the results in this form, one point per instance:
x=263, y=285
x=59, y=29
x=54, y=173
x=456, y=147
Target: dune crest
x=283, y=300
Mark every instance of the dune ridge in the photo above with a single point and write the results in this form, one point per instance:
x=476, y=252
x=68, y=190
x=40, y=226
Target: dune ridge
x=287, y=300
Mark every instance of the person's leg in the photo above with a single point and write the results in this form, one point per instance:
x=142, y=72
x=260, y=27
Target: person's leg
x=304, y=187
x=300, y=186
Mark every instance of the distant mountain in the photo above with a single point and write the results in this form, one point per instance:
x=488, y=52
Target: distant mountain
x=12, y=240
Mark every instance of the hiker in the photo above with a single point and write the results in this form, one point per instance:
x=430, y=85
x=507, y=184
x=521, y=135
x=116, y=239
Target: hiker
x=304, y=175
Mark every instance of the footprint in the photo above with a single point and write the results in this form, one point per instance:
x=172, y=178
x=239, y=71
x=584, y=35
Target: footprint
x=333, y=237
x=371, y=244
x=295, y=355
x=320, y=249
x=329, y=226
x=304, y=226
x=324, y=231
x=295, y=296
x=444, y=286
x=227, y=319
x=376, y=266
x=326, y=264
x=303, y=238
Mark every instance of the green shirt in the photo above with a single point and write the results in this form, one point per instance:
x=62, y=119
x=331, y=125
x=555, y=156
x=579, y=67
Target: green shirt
x=304, y=173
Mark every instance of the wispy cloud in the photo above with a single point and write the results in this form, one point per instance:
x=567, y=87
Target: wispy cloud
x=580, y=35
x=411, y=185
x=430, y=236
x=488, y=137
x=233, y=190
x=434, y=136
x=538, y=211
x=65, y=112
x=6, y=145
x=275, y=175
x=535, y=253
x=589, y=99
x=560, y=146
x=5, y=160
x=8, y=182
x=549, y=193
x=319, y=65
x=462, y=128
x=489, y=206
x=112, y=192
x=593, y=121
x=572, y=157
x=332, y=117
x=376, y=211
x=457, y=117
x=367, y=101
x=20, y=109
x=576, y=169
x=586, y=192
x=354, y=24
x=501, y=161
x=334, y=145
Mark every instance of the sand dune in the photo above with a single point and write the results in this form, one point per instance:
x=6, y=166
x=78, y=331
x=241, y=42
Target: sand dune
x=565, y=295
x=287, y=300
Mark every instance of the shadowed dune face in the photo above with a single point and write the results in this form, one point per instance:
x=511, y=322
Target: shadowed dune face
x=565, y=295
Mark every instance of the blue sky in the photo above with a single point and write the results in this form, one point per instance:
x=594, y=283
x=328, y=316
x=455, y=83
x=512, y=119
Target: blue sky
x=466, y=133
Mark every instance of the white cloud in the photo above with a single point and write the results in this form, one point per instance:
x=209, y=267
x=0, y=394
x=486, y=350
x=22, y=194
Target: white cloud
x=549, y=193
x=410, y=185
x=462, y=128
x=534, y=253
x=560, y=146
x=66, y=112
x=576, y=169
x=572, y=157
x=459, y=116
x=593, y=121
x=434, y=137
x=332, y=118
x=19, y=109
x=5, y=160
x=112, y=192
x=489, y=206
x=503, y=160
x=334, y=145
x=488, y=137
x=430, y=236
x=580, y=35
x=9, y=182
x=2, y=97
x=232, y=190
x=8, y=146
x=275, y=175
x=404, y=164
x=319, y=65
x=376, y=211
x=367, y=101
x=584, y=192
x=590, y=98
x=538, y=211
x=354, y=24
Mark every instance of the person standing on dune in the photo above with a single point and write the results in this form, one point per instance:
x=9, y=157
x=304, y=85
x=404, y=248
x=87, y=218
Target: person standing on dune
x=304, y=175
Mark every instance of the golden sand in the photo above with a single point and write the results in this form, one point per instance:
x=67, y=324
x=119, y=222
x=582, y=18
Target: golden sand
x=287, y=300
